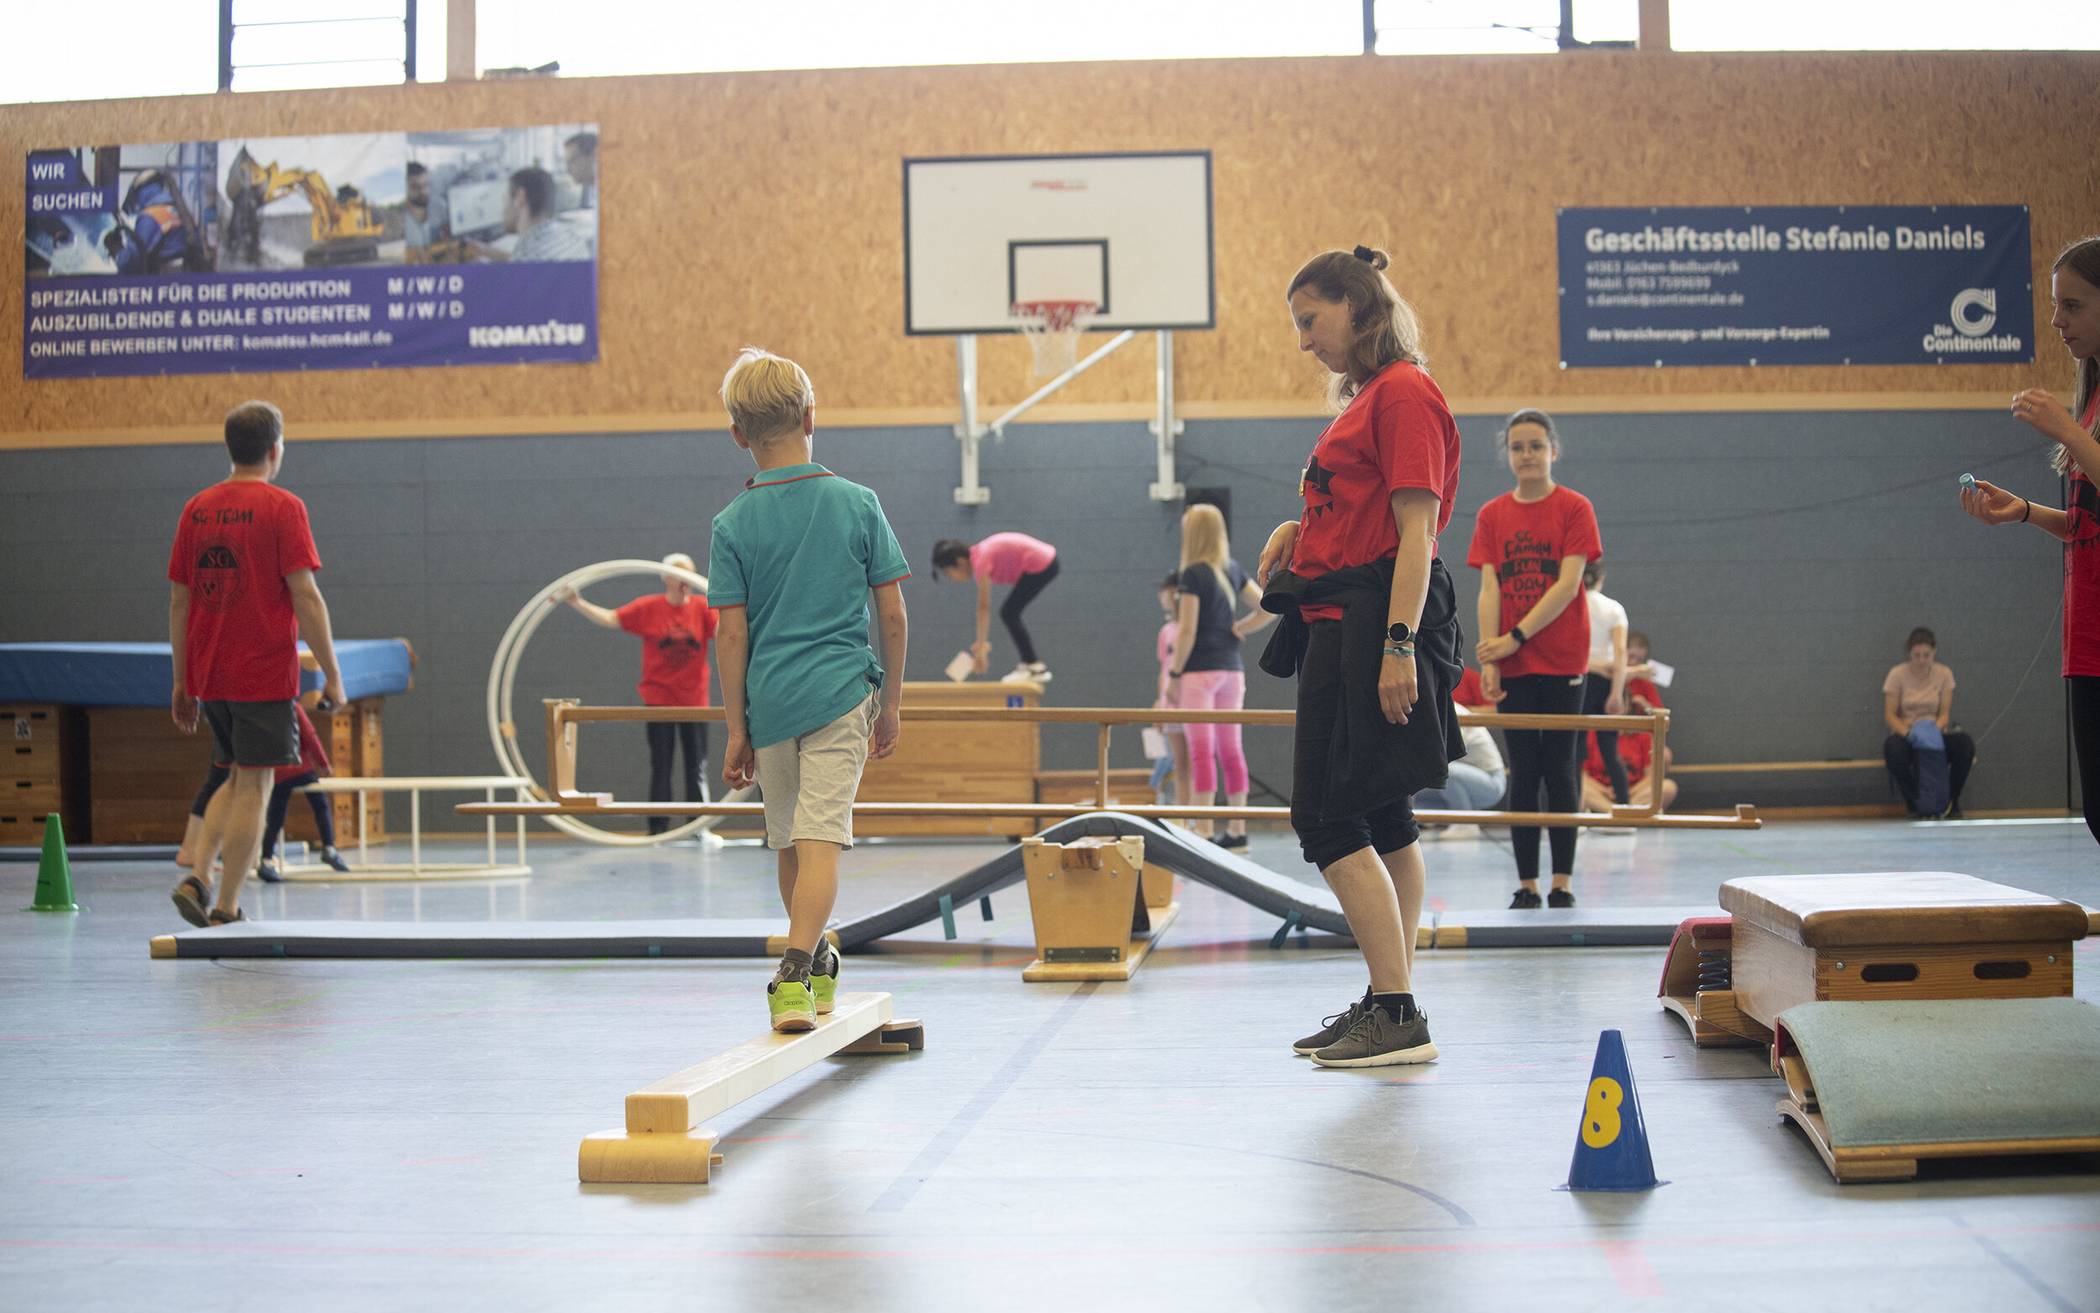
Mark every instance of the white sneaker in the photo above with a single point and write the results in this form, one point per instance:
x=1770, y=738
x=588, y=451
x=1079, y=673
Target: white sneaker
x=1616, y=831
x=1034, y=674
x=1453, y=833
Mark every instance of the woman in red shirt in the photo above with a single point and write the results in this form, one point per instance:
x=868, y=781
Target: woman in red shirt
x=1370, y=629
x=1531, y=545
x=2074, y=287
x=675, y=628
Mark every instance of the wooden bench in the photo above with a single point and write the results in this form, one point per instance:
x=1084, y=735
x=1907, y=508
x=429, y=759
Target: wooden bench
x=1745, y=767
x=1918, y=934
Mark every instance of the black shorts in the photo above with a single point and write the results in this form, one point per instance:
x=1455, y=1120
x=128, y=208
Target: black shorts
x=253, y=733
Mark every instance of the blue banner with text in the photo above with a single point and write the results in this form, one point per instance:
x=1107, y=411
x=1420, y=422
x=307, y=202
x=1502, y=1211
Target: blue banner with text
x=1795, y=285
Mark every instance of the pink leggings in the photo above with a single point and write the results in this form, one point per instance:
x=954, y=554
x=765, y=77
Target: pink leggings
x=1215, y=690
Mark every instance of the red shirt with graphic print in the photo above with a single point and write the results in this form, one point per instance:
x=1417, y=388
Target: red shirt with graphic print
x=1396, y=433
x=1524, y=542
x=2082, y=567
x=674, y=648
x=234, y=545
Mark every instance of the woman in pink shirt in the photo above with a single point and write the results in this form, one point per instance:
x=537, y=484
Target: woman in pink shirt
x=1026, y=564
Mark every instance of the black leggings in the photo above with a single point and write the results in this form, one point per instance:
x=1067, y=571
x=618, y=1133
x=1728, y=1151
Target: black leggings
x=664, y=736
x=2085, y=737
x=280, y=803
x=1385, y=829
x=1596, y=695
x=1024, y=591
x=1543, y=759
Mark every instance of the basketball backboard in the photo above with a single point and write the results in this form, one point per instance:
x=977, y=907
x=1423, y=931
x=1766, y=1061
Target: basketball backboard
x=1130, y=233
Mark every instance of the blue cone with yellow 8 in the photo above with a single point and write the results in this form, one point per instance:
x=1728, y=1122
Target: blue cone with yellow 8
x=1611, y=1145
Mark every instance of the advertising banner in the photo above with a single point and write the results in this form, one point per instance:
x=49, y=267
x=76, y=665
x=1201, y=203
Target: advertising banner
x=334, y=252
x=1796, y=285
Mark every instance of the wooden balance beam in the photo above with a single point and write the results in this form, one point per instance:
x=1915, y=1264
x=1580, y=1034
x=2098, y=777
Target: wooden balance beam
x=666, y=1139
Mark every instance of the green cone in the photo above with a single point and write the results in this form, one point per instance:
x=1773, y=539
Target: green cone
x=54, y=874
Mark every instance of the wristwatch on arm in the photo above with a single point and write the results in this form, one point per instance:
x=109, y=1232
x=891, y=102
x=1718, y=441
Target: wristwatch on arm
x=1400, y=639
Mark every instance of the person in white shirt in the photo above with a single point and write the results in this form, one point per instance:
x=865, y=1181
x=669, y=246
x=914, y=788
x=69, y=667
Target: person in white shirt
x=1604, y=688
x=529, y=213
x=1477, y=780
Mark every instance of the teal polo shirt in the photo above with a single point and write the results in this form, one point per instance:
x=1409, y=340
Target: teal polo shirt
x=799, y=549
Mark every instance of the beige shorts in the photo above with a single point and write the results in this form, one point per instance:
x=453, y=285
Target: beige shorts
x=808, y=783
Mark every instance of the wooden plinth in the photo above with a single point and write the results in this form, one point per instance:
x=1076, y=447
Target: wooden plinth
x=1089, y=902
x=1900, y=935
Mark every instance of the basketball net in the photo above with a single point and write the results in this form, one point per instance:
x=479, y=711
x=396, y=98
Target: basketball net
x=1053, y=329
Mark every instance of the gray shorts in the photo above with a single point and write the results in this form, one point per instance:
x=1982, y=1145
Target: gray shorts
x=253, y=733
x=808, y=783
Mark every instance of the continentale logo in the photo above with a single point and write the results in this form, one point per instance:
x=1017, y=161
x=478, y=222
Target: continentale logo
x=1970, y=317
x=1974, y=310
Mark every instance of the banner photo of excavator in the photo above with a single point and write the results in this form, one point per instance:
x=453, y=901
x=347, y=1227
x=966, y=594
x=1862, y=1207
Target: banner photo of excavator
x=349, y=251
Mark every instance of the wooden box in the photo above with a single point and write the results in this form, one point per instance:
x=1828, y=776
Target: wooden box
x=1913, y=934
x=954, y=761
x=43, y=769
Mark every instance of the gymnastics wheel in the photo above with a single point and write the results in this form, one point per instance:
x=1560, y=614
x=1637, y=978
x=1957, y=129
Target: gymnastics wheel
x=503, y=675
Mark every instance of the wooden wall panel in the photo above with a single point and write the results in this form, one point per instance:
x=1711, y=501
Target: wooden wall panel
x=765, y=208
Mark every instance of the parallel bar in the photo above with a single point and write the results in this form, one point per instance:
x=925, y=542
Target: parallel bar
x=574, y=714
x=1745, y=817
x=680, y=1102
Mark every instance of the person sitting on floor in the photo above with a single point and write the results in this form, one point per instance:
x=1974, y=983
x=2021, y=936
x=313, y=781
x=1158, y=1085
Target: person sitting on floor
x=1918, y=708
x=1478, y=780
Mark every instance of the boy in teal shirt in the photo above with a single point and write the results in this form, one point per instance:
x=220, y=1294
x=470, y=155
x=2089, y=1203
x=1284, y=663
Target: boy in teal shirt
x=791, y=564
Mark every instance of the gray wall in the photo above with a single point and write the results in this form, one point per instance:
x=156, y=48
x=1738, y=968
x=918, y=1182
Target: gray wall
x=1778, y=560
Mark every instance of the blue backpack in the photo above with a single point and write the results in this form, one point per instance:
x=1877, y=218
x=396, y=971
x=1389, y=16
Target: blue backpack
x=1930, y=750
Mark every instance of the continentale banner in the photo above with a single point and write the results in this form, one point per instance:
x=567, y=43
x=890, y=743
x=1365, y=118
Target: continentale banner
x=338, y=252
x=1796, y=285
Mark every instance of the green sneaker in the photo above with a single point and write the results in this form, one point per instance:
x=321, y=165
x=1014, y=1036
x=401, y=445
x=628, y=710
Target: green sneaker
x=824, y=977
x=789, y=1002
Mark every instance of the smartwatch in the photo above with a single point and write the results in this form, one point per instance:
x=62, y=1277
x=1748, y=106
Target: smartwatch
x=1517, y=632
x=1399, y=632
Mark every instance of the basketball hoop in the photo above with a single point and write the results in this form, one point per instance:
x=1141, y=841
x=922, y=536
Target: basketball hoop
x=1053, y=329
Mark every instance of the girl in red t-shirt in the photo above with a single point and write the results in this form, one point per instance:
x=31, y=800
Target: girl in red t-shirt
x=1374, y=725
x=2074, y=288
x=675, y=627
x=1531, y=545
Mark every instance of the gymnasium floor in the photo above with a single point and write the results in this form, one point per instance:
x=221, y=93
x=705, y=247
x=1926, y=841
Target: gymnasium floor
x=264, y=1134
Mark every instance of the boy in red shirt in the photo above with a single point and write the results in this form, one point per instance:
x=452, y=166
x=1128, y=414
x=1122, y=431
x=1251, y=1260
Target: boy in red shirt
x=241, y=593
x=675, y=628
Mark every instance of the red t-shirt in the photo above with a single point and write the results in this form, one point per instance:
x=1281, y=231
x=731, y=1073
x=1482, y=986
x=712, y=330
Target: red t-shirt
x=1636, y=750
x=312, y=756
x=1396, y=433
x=1524, y=542
x=2082, y=568
x=674, y=648
x=234, y=545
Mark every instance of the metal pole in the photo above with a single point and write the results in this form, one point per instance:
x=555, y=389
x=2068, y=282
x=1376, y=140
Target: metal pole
x=1370, y=27
x=1165, y=428
x=225, y=45
x=971, y=492
x=997, y=427
x=408, y=70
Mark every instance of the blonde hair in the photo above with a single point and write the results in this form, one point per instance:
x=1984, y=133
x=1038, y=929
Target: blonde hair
x=766, y=394
x=1386, y=327
x=2082, y=257
x=1204, y=542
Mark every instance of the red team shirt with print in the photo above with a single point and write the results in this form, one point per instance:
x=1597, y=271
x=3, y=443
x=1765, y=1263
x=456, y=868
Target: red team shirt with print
x=234, y=545
x=674, y=648
x=1396, y=433
x=1524, y=542
x=2082, y=567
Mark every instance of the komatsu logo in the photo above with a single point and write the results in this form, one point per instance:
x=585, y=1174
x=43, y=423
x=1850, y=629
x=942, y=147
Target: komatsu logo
x=552, y=333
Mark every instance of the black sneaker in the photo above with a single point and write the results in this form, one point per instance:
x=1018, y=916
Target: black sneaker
x=267, y=872
x=1233, y=841
x=1332, y=1028
x=1560, y=898
x=1525, y=900
x=1376, y=1040
x=334, y=860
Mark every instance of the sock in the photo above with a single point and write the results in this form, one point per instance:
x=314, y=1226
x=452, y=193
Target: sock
x=825, y=961
x=1400, y=1007
x=794, y=965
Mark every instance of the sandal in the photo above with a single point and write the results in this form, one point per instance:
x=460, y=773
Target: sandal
x=190, y=897
x=220, y=918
